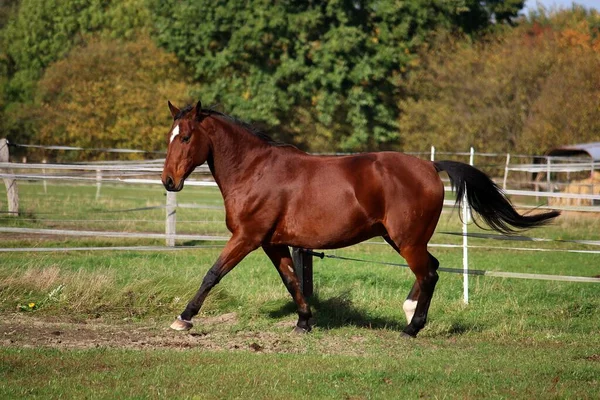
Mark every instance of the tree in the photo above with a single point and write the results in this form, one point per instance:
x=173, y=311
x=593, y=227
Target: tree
x=525, y=90
x=110, y=94
x=337, y=66
x=566, y=110
x=41, y=32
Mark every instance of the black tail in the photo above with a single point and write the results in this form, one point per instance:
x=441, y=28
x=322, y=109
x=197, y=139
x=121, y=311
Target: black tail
x=488, y=200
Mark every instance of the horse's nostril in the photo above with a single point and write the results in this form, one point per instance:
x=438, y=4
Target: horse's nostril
x=169, y=183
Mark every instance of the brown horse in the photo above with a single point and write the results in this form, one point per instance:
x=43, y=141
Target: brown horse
x=278, y=196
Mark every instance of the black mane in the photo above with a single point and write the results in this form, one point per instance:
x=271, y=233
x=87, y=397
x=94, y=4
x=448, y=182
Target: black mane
x=183, y=112
x=259, y=133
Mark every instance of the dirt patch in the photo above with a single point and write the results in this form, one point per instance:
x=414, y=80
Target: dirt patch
x=209, y=333
x=18, y=330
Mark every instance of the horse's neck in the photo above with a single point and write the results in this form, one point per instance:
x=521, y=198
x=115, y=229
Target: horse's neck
x=233, y=150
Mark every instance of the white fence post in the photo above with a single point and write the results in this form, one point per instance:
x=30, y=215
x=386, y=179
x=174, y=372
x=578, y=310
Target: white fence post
x=592, y=180
x=171, y=218
x=98, y=182
x=12, y=192
x=506, y=171
x=548, y=174
x=44, y=161
x=466, y=217
x=432, y=153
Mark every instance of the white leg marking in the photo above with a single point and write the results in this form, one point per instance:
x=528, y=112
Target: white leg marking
x=409, y=308
x=174, y=134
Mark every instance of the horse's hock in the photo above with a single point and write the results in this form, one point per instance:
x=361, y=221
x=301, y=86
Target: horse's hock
x=590, y=186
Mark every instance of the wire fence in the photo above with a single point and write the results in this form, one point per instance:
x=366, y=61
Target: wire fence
x=146, y=174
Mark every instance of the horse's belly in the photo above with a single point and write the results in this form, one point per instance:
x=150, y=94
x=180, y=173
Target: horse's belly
x=332, y=210
x=330, y=231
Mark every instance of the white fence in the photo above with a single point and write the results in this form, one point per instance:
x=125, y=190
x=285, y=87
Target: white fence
x=148, y=172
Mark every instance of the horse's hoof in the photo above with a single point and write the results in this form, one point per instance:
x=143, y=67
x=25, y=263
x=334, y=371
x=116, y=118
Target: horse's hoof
x=405, y=335
x=300, y=331
x=181, y=325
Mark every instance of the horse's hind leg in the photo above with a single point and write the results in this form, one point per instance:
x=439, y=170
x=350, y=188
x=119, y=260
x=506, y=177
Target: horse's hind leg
x=410, y=304
x=424, y=266
x=281, y=258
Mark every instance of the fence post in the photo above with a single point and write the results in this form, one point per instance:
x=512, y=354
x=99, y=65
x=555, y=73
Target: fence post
x=98, y=182
x=548, y=174
x=303, y=266
x=12, y=191
x=171, y=218
x=506, y=171
x=592, y=181
x=432, y=153
x=466, y=216
x=45, y=184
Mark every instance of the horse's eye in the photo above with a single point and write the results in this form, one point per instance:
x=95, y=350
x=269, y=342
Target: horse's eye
x=185, y=139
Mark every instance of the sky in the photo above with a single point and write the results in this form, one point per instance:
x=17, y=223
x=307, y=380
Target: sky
x=563, y=3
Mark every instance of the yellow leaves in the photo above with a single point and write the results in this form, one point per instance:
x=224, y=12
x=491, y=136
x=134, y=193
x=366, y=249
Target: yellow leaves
x=110, y=94
x=573, y=38
x=246, y=95
x=580, y=35
x=415, y=62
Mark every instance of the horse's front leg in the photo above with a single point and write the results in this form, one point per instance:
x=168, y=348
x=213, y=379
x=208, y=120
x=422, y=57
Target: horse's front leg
x=281, y=258
x=235, y=250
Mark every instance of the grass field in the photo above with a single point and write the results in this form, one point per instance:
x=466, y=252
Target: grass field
x=94, y=324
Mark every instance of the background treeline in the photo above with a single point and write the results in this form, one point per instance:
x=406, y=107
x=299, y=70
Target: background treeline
x=327, y=76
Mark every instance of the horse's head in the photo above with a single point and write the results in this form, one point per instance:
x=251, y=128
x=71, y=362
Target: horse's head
x=188, y=146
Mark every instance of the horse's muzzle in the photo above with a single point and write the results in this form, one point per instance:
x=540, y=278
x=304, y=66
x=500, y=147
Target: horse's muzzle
x=170, y=185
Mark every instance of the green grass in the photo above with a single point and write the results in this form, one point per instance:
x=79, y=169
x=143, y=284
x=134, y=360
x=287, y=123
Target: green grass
x=430, y=369
x=516, y=338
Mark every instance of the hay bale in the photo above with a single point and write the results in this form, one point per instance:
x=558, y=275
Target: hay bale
x=590, y=185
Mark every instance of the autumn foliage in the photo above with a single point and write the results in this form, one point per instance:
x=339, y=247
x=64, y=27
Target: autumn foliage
x=326, y=76
x=527, y=89
x=110, y=94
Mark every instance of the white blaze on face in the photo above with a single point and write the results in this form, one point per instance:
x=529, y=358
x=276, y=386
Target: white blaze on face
x=174, y=133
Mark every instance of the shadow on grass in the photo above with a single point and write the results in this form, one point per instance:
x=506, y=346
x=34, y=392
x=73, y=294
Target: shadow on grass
x=460, y=328
x=339, y=311
x=203, y=243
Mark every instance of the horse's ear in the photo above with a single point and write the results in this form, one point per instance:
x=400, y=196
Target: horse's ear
x=198, y=110
x=174, y=110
